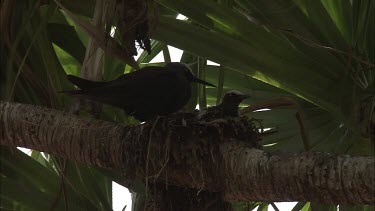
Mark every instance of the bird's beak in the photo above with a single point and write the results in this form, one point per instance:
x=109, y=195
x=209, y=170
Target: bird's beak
x=202, y=82
x=243, y=97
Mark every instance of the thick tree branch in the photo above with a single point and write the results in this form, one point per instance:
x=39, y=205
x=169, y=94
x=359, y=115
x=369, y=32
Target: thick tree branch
x=218, y=156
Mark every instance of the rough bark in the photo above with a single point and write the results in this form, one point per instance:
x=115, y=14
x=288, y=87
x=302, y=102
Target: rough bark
x=219, y=156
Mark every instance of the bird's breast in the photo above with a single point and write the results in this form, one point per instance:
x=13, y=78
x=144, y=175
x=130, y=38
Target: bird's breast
x=180, y=95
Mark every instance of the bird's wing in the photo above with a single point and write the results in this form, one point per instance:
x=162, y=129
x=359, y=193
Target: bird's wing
x=159, y=86
x=143, y=81
x=167, y=94
x=133, y=89
x=136, y=75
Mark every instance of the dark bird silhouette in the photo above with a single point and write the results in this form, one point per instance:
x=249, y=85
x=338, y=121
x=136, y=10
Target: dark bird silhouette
x=145, y=93
x=227, y=108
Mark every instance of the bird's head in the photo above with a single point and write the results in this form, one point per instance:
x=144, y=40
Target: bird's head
x=177, y=66
x=233, y=98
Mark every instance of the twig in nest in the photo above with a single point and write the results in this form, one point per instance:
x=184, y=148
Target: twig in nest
x=166, y=160
x=148, y=151
x=203, y=182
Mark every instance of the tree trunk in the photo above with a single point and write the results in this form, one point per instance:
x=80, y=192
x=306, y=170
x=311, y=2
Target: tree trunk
x=218, y=157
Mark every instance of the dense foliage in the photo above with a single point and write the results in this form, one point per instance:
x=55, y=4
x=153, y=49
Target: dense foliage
x=313, y=58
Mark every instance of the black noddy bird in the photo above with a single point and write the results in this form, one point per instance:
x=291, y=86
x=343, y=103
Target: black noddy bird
x=146, y=93
x=227, y=108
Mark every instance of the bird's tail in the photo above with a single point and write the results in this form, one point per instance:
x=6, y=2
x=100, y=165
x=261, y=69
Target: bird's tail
x=84, y=83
